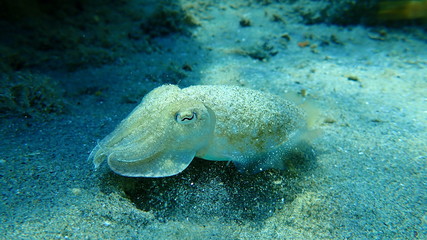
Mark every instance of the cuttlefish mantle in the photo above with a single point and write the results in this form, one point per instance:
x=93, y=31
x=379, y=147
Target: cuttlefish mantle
x=171, y=126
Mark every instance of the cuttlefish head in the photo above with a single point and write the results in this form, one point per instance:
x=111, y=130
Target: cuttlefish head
x=160, y=137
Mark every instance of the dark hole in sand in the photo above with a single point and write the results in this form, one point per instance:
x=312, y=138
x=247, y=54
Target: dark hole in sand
x=209, y=190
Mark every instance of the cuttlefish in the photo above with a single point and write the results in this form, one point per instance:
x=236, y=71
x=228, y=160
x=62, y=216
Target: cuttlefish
x=171, y=126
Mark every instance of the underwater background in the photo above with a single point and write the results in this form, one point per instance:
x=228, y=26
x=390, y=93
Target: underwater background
x=70, y=71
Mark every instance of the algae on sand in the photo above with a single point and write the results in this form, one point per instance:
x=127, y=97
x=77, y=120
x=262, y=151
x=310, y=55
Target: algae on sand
x=30, y=95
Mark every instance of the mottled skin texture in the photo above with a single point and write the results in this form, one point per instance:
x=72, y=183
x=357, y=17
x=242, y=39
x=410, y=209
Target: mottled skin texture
x=171, y=126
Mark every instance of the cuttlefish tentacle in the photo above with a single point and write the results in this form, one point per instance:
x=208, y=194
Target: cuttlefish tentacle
x=165, y=163
x=171, y=126
x=123, y=145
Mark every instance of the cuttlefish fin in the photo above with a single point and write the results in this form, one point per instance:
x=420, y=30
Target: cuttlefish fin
x=258, y=163
x=277, y=158
x=162, y=164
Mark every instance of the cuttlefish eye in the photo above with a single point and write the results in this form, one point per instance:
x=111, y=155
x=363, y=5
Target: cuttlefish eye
x=186, y=117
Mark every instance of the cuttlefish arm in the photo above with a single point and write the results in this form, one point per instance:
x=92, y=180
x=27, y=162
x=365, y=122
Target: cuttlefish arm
x=159, y=138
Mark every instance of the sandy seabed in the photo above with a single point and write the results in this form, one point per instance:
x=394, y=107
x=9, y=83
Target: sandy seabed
x=364, y=179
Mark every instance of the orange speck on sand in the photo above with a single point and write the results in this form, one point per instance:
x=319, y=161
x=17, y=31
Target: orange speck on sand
x=303, y=44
